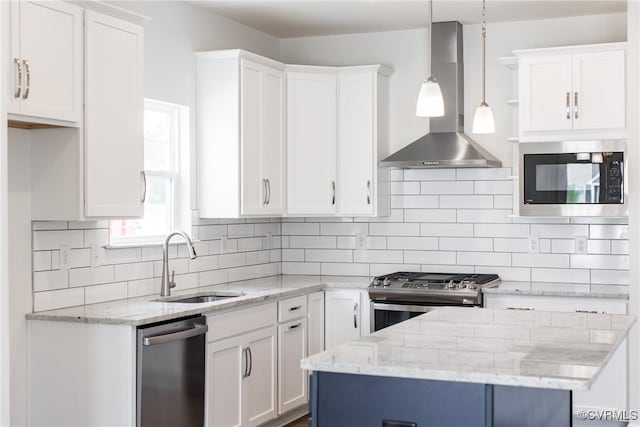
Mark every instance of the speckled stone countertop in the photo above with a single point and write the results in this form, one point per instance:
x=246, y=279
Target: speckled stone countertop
x=145, y=310
x=559, y=289
x=532, y=349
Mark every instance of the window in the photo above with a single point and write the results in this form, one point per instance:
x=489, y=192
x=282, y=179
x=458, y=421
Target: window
x=166, y=167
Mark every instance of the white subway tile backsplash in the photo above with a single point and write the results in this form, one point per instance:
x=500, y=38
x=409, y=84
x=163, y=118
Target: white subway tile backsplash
x=209, y=232
x=50, y=300
x=473, y=174
x=493, y=187
x=393, y=229
x=541, y=260
x=293, y=255
x=328, y=255
x=240, y=230
x=97, y=237
x=414, y=202
x=232, y=260
x=417, y=243
x=609, y=232
x=446, y=187
x=517, y=274
x=610, y=277
x=429, y=257
x=120, y=256
x=396, y=174
x=343, y=229
x=371, y=256
x=503, y=202
x=563, y=246
x=510, y=245
x=453, y=230
x=313, y=242
x=47, y=240
x=300, y=229
x=484, y=258
x=212, y=277
x=380, y=269
x=487, y=216
x=466, y=244
x=430, y=215
x=42, y=260
x=599, y=246
x=308, y=268
x=405, y=187
x=429, y=174
x=559, y=275
x=344, y=269
x=109, y=292
x=466, y=202
x=600, y=262
x=180, y=266
x=138, y=288
x=501, y=230
x=50, y=280
x=559, y=231
x=620, y=247
x=134, y=271
x=94, y=276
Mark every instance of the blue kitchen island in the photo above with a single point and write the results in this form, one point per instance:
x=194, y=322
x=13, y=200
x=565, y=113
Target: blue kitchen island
x=471, y=367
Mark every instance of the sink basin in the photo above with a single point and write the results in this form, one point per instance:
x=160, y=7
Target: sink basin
x=209, y=297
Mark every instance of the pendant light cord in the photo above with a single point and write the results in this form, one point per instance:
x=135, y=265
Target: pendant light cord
x=484, y=53
x=429, y=35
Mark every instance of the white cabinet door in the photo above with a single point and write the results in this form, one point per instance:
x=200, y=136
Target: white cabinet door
x=292, y=347
x=46, y=38
x=599, y=90
x=260, y=384
x=114, y=105
x=316, y=323
x=342, y=317
x=545, y=91
x=250, y=121
x=225, y=366
x=311, y=143
x=273, y=147
x=356, y=143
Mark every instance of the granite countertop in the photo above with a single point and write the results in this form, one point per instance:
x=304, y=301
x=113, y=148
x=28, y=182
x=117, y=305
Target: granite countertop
x=559, y=289
x=145, y=310
x=532, y=349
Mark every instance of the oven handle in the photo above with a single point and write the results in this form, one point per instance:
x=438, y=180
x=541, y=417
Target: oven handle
x=403, y=307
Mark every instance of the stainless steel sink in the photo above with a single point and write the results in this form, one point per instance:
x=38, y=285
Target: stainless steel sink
x=202, y=298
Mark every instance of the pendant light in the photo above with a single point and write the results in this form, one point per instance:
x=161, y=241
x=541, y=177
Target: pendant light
x=430, y=102
x=483, y=121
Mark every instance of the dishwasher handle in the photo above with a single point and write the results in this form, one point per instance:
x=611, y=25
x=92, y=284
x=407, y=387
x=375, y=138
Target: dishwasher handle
x=175, y=336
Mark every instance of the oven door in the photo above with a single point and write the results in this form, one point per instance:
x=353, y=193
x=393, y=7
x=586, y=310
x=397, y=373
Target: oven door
x=573, y=178
x=385, y=314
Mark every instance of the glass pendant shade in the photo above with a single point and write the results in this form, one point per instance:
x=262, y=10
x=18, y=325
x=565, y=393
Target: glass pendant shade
x=430, y=101
x=483, y=121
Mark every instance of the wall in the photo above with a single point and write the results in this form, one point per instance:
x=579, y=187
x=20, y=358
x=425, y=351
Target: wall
x=460, y=221
x=405, y=52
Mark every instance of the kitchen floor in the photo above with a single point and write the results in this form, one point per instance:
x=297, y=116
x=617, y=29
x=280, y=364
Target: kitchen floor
x=300, y=422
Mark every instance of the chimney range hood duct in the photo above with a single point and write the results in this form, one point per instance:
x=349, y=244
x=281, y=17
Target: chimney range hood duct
x=446, y=145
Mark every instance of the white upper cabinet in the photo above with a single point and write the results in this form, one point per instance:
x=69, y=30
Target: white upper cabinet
x=46, y=62
x=572, y=93
x=241, y=135
x=336, y=135
x=312, y=143
x=114, y=118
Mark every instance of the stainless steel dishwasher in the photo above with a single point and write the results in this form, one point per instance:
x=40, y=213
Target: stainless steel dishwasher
x=171, y=373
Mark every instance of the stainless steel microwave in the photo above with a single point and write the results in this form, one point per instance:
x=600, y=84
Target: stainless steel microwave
x=573, y=178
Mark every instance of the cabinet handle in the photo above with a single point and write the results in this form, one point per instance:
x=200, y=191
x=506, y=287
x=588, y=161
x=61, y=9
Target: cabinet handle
x=369, y=192
x=355, y=315
x=27, y=89
x=576, y=108
x=245, y=359
x=333, y=192
x=520, y=308
x=568, y=105
x=268, y=191
x=143, y=175
x=18, y=64
x=250, y=361
x=589, y=311
x=295, y=307
x=297, y=325
x=264, y=189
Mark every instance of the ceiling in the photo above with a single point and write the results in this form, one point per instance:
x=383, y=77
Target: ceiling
x=312, y=17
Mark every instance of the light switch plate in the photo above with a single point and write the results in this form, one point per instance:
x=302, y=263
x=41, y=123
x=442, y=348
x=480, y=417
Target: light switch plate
x=534, y=244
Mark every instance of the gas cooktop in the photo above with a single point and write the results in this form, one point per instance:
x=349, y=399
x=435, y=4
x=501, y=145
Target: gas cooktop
x=436, y=288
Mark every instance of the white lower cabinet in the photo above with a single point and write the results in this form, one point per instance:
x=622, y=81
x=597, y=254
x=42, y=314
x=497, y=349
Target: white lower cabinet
x=609, y=391
x=316, y=323
x=346, y=316
x=241, y=367
x=292, y=347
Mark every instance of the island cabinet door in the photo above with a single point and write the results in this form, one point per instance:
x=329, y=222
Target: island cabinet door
x=226, y=368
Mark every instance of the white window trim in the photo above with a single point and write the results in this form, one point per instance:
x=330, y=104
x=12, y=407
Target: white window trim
x=181, y=178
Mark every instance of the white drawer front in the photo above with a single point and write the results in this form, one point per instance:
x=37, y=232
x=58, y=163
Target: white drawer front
x=292, y=308
x=240, y=321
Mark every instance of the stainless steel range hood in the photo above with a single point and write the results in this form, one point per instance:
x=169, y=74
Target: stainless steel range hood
x=446, y=146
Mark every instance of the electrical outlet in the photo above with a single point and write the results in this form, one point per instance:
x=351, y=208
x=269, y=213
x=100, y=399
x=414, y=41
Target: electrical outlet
x=581, y=245
x=361, y=241
x=534, y=244
x=96, y=255
x=65, y=257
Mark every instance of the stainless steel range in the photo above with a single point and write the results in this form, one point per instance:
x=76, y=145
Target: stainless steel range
x=403, y=295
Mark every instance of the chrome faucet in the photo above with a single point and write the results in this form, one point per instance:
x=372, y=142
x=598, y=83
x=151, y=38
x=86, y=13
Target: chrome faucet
x=167, y=283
